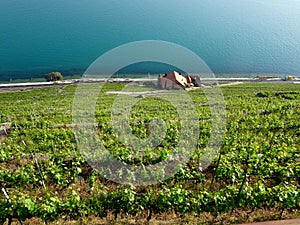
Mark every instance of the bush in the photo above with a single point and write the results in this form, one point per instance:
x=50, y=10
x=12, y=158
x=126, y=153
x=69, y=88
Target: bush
x=53, y=76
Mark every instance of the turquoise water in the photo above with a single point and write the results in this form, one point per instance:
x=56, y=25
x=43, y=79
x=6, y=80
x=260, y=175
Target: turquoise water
x=231, y=36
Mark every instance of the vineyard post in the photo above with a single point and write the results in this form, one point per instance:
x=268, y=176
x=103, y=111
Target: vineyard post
x=37, y=165
x=10, y=202
x=32, y=119
x=5, y=131
x=40, y=172
x=215, y=173
x=6, y=196
x=237, y=200
x=241, y=187
x=16, y=126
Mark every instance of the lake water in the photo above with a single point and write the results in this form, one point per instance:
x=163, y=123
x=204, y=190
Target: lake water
x=231, y=36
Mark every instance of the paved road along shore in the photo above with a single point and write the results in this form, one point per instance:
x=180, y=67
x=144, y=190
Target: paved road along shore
x=100, y=80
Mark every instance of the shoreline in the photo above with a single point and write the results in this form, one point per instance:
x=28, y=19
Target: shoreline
x=220, y=75
x=25, y=86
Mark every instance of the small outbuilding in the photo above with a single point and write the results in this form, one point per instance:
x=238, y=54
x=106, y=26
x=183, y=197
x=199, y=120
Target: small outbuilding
x=175, y=79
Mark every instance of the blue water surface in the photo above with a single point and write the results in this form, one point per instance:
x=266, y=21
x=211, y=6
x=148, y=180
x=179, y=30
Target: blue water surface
x=231, y=36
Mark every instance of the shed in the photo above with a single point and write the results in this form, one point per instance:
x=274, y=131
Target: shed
x=173, y=79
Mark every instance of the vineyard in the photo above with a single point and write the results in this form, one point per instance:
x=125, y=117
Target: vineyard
x=43, y=174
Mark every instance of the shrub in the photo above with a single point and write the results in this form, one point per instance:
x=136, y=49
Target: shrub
x=53, y=76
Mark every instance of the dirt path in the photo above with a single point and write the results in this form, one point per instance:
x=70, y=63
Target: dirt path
x=230, y=84
x=280, y=222
x=140, y=93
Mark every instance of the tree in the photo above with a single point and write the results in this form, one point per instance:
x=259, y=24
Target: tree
x=53, y=76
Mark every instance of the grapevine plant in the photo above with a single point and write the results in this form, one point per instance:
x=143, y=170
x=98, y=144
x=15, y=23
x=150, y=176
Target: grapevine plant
x=45, y=175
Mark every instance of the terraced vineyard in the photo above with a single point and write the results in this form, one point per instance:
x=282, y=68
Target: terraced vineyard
x=257, y=169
